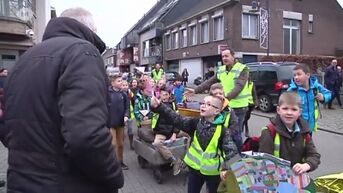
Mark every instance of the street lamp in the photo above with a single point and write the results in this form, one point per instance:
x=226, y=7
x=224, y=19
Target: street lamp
x=264, y=23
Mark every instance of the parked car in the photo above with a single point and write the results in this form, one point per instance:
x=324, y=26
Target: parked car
x=171, y=75
x=270, y=79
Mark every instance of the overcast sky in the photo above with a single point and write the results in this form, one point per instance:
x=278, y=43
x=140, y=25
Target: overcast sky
x=113, y=17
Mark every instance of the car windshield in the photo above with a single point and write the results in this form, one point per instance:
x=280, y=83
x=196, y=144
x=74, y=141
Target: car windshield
x=286, y=72
x=169, y=75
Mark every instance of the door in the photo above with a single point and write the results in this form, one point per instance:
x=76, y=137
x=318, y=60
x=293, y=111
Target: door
x=194, y=68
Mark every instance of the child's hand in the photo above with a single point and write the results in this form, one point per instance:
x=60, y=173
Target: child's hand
x=155, y=102
x=320, y=97
x=189, y=92
x=223, y=175
x=173, y=137
x=301, y=168
x=126, y=119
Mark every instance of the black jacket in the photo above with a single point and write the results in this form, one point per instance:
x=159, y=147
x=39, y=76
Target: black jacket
x=119, y=109
x=204, y=130
x=164, y=126
x=56, y=105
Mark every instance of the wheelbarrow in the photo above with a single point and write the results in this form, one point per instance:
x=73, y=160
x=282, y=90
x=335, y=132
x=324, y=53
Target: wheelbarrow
x=148, y=155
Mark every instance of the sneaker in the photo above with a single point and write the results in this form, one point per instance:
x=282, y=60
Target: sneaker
x=124, y=166
x=177, y=165
x=331, y=108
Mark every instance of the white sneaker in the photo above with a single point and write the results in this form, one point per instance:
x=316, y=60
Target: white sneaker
x=177, y=165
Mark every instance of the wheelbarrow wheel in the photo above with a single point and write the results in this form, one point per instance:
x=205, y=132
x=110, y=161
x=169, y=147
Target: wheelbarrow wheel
x=142, y=162
x=157, y=175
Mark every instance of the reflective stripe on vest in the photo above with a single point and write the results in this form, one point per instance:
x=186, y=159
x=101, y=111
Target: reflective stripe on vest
x=250, y=88
x=316, y=116
x=207, y=162
x=277, y=145
x=157, y=76
x=132, y=114
x=155, y=117
x=228, y=79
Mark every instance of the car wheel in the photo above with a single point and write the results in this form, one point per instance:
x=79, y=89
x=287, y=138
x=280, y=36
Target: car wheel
x=265, y=104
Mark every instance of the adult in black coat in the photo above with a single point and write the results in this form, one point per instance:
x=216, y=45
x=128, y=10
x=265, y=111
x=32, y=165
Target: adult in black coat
x=56, y=106
x=331, y=80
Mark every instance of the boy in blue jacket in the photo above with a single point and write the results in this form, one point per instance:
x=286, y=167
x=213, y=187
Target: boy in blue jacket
x=311, y=93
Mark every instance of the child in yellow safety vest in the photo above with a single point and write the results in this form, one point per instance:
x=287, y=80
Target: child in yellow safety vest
x=130, y=123
x=164, y=130
x=290, y=139
x=211, y=144
x=217, y=90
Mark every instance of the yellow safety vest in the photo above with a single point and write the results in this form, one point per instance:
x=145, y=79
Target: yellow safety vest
x=250, y=88
x=316, y=116
x=155, y=117
x=132, y=114
x=228, y=78
x=277, y=142
x=207, y=162
x=157, y=76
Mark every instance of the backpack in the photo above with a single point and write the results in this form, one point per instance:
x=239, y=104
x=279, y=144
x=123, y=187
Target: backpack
x=252, y=143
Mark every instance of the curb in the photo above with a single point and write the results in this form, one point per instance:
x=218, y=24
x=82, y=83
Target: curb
x=319, y=128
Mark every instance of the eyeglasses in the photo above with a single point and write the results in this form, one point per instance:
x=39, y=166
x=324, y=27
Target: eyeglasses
x=208, y=105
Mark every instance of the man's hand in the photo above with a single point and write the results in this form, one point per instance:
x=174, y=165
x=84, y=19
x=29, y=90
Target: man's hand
x=126, y=119
x=320, y=97
x=189, y=92
x=301, y=168
x=173, y=137
x=155, y=102
x=145, y=118
x=223, y=175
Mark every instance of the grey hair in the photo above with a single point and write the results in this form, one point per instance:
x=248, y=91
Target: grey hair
x=81, y=15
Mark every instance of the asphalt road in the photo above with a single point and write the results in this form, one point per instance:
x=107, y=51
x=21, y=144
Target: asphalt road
x=141, y=180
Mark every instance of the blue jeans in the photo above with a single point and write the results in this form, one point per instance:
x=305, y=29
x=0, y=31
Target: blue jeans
x=196, y=180
x=240, y=113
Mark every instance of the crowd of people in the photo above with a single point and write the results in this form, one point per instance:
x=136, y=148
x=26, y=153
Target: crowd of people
x=65, y=127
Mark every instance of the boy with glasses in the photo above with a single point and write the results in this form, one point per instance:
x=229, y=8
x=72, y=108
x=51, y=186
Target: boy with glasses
x=211, y=145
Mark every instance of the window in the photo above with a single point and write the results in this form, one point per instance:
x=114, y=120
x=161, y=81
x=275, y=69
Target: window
x=310, y=23
x=291, y=36
x=167, y=41
x=310, y=27
x=249, y=26
x=8, y=57
x=218, y=28
x=253, y=75
x=268, y=75
x=146, y=49
x=204, y=37
x=19, y=9
x=183, y=38
x=193, y=35
x=175, y=40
